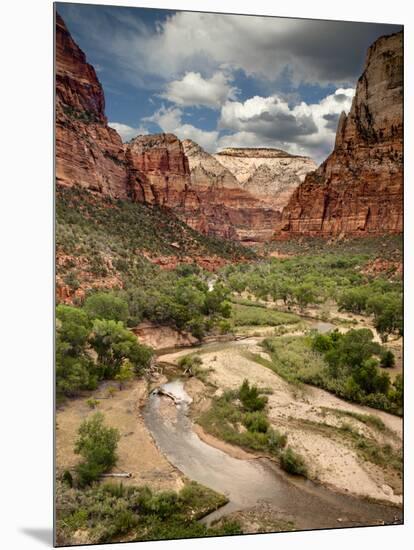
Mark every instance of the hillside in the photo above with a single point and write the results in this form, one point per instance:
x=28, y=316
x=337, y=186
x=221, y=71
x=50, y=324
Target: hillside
x=106, y=243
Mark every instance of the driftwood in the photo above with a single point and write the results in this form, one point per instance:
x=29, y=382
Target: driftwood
x=161, y=391
x=124, y=474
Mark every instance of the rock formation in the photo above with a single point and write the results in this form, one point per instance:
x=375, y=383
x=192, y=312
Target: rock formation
x=153, y=169
x=358, y=190
x=88, y=152
x=227, y=208
x=271, y=175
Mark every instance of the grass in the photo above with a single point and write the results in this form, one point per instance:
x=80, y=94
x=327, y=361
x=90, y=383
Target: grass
x=368, y=419
x=292, y=359
x=110, y=513
x=247, y=315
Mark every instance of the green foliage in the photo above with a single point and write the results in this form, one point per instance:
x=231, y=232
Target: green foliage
x=97, y=445
x=249, y=315
x=114, y=344
x=315, y=276
x=110, y=512
x=387, y=359
x=292, y=462
x=344, y=364
x=106, y=305
x=249, y=396
x=228, y=414
x=125, y=374
x=256, y=422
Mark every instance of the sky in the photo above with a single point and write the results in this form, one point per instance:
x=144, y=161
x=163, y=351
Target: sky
x=224, y=80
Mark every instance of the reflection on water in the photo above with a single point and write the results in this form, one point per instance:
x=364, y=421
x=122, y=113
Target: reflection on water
x=249, y=482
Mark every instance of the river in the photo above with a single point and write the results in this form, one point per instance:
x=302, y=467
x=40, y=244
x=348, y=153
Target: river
x=251, y=482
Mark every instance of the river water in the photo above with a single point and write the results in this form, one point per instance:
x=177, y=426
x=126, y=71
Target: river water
x=250, y=482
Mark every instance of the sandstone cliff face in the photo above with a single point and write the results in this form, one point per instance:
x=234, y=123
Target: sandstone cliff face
x=88, y=152
x=271, y=175
x=358, y=190
x=227, y=208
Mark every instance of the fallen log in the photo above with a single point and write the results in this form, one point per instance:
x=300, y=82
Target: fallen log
x=124, y=474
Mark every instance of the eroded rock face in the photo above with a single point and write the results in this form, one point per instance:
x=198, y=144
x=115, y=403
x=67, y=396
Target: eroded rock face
x=271, y=175
x=226, y=208
x=88, y=152
x=358, y=190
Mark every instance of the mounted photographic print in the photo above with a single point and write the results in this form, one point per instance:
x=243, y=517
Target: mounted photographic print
x=229, y=318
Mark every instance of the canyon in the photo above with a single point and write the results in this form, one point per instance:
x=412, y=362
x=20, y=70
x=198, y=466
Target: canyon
x=358, y=190
x=221, y=195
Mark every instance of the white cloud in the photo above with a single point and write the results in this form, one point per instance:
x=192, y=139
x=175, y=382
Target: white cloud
x=194, y=90
x=269, y=48
x=269, y=121
x=169, y=120
x=127, y=132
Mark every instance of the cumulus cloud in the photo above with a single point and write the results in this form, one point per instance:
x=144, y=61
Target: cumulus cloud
x=127, y=132
x=312, y=51
x=170, y=120
x=270, y=122
x=194, y=90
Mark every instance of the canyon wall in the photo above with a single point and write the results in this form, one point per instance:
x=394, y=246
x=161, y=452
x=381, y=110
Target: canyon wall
x=153, y=169
x=358, y=190
x=271, y=175
x=89, y=153
x=226, y=206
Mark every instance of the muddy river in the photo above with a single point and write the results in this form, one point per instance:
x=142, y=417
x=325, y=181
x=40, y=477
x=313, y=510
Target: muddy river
x=248, y=483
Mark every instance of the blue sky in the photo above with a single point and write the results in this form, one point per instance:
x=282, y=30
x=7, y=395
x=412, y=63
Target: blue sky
x=223, y=80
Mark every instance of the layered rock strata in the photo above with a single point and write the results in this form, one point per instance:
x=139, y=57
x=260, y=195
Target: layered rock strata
x=358, y=190
x=89, y=153
x=271, y=175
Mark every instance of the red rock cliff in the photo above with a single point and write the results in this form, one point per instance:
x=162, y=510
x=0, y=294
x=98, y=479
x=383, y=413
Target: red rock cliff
x=88, y=152
x=358, y=190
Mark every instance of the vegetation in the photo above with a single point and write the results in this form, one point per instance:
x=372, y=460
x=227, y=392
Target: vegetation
x=238, y=417
x=249, y=315
x=345, y=364
x=108, y=237
x=108, y=512
x=292, y=462
x=96, y=444
x=89, y=350
x=313, y=279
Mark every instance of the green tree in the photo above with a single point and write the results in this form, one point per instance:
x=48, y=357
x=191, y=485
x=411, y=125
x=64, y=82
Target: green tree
x=106, y=305
x=125, y=374
x=96, y=444
x=114, y=343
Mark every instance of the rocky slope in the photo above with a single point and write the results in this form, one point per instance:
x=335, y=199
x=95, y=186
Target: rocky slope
x=358, y=190
x=271, y=175
x=89, y=153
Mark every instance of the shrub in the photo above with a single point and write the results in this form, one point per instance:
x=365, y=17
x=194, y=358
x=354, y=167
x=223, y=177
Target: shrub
x=256, y=422
x=387, y=360
x=97, y=445
x=249, y=396
x=292, y=462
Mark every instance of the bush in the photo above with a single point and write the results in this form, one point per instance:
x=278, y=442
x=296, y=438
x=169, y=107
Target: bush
x=256, y=422
x=249, y=396
x=387, y=360
x=97, y=445
x=292, y=462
